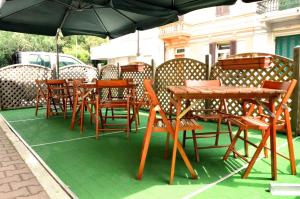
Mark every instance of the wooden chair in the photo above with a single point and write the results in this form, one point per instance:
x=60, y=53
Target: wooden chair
x=260, y=122
x=161, y=125
x=84, y=99
x=58, y=94
x=125, y=104
x=209, y=114
x=41, y=93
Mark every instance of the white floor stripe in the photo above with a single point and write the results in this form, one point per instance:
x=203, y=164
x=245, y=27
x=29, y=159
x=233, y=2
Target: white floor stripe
x=56, y=116
x=69, y=140
x=194, y=193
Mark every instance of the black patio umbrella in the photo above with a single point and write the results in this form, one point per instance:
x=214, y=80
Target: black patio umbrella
x=112, y=18
x=150, y=7
x=104, y=18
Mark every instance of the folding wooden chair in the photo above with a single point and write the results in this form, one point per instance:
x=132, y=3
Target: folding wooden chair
x=41, y=93
x=260, y=122
x=58, y=94
x=161, y=125
x=124, y=104
x=84, y=99
x=209, y=114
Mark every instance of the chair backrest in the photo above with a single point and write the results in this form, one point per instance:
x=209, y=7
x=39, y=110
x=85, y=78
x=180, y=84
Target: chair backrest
x=51, y=83
x=114, y=83
x=287, y=86
x=202, y=82
x=151, y=93
x=41, y=87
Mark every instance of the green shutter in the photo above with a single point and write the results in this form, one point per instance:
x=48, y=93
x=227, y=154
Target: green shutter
x=285, y=45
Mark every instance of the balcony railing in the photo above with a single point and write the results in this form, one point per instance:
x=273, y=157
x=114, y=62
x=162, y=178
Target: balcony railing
x=275, y=5
x=177, y=28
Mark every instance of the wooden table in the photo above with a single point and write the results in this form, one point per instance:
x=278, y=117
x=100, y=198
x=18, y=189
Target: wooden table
x=179, y=93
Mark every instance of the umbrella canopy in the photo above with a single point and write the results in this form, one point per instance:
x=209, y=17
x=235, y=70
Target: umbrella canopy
x=150, y=7
x=86, y=17
x=112, y=18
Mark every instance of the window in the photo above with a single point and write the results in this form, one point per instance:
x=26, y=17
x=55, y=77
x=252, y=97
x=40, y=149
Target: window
x=43, y=60
x=64, y=61
x=180, y=51
x=285, y=45
x=223, y=50
x=222, y=11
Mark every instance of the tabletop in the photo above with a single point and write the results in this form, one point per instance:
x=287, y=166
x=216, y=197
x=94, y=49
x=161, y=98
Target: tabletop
x=222, y=92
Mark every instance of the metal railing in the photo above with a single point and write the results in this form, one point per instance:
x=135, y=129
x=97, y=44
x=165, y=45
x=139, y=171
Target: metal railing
x=276, y=5
x=176, y=28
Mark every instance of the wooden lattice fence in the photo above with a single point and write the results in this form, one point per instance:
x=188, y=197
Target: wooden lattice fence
x=139, y=77
x=173, y=73
x=78, y=71
x=281, y=69
x=17, y=84
x=109, y=72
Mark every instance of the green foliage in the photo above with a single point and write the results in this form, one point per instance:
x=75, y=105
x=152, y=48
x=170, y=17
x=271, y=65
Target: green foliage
x=11, y=42
x=78, y=46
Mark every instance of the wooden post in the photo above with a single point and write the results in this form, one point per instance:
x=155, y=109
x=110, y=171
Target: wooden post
x=153, y=69
x=295, y=113
x=208, y=65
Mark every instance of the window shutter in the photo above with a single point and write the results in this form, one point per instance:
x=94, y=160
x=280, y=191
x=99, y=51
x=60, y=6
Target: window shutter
x=232, y=47
x=222, y=11
x=212, y=51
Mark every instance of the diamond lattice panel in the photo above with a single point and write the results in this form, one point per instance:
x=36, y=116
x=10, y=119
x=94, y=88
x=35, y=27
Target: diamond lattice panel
x=173, y=73
x=138, y=78
x=17, y=84
x=109, y=72
x=281, y=69
x=78, y=71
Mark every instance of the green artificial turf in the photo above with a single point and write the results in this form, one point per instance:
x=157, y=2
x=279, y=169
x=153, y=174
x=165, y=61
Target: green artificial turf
x=107, y=168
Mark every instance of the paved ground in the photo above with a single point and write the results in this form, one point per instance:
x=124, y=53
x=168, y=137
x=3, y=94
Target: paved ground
x=16, y=179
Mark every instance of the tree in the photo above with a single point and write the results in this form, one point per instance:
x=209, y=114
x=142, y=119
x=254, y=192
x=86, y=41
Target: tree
x=78, y=46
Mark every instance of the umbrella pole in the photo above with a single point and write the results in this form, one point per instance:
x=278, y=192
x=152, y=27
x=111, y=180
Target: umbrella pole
x=57, y=58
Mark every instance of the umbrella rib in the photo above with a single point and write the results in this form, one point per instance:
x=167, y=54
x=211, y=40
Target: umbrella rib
x=118, y=11
x=65, y=4
x=36, y=4
x=100, y=21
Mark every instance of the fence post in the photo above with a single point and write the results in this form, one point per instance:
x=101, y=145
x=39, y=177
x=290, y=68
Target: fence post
x=208, y=65
x=153, y=68
x=295, y=112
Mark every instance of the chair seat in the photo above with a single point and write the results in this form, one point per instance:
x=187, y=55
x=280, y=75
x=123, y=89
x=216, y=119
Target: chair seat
x=185, y=124
x=250, y=122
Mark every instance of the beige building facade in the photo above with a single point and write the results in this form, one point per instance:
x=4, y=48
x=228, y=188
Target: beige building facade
x=269, y=26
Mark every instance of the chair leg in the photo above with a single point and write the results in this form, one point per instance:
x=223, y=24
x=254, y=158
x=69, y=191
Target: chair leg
x=246, y=143
x=232, y=145
x=290, y=141
x=65, y=107
x=74, y=113
x=256, y=154
x=167, y=147
x=265, y=148
x=37, y=105
x=146, y=143
x=195, y=146
x=128, y=127
x=48, y=108
x=183, y=139
x=82, y=116
x=97, y=117
x=218, y=131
